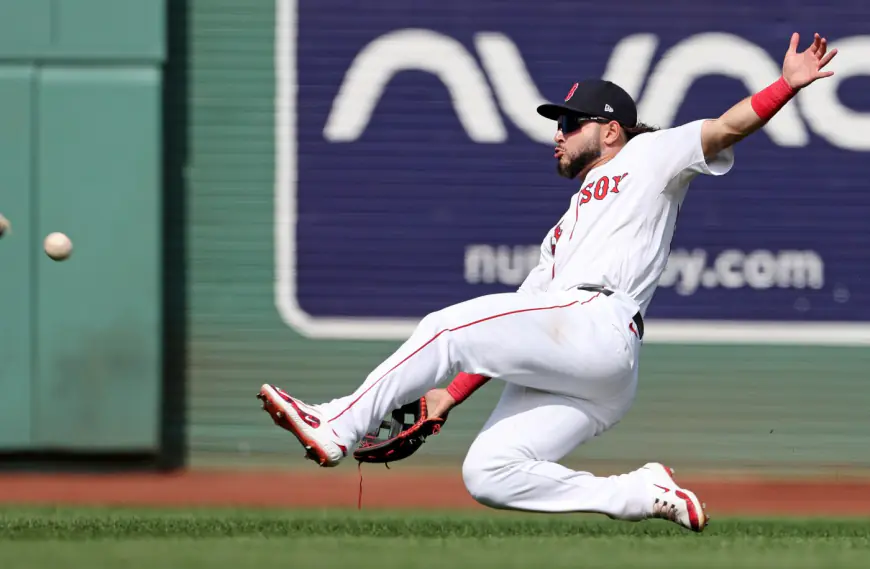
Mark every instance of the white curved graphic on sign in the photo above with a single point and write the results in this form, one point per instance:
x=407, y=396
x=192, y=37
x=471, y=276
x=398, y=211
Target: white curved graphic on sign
x=516, y=92
x=630, y=61
x=421, y=50
x=827, y=116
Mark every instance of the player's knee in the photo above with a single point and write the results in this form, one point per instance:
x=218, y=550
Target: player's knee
x=479, y=482
x=485, y=480
x=431, y=328
x=431, y=323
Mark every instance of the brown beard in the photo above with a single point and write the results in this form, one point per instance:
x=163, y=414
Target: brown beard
x=578, y=163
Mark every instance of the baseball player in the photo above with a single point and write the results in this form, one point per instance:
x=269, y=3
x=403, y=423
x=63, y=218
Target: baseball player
x=566, y=345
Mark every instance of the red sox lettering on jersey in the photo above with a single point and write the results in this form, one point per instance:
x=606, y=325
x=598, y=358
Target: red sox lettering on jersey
x=599, y=190
x=554, y=240
x=557, y=233
x=601, y=187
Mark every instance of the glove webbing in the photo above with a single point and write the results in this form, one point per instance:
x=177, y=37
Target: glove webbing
x=395, y=427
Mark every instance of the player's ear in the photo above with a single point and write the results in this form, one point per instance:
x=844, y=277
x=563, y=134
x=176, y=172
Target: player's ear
x=612, y=132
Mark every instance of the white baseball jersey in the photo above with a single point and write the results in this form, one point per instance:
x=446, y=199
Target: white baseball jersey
x=618, y=228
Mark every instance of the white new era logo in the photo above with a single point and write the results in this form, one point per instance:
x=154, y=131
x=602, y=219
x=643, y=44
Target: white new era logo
x=608, y=108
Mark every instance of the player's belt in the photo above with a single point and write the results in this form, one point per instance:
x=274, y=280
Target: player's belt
x=638, y=319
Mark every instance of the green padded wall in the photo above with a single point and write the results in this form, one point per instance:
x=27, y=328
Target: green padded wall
x=102, y=30
x=80, y=153
x=16, y=255
x=98, y=313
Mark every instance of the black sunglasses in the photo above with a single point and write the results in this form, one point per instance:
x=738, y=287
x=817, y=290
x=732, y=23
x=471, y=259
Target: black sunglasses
x=570, y=123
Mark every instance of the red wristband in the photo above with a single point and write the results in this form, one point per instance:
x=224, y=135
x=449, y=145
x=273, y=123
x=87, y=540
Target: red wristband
x=772, y=98
x=464, y=384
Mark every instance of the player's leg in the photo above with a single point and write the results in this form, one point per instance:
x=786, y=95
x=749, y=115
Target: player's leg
x=576, y=343
x=512, y=465
x=572, y=342
x=512, y=462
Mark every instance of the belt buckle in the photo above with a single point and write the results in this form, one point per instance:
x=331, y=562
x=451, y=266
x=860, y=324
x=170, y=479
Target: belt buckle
x=596, y=288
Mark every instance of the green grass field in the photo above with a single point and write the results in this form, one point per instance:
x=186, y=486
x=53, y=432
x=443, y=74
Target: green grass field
x=43, y=538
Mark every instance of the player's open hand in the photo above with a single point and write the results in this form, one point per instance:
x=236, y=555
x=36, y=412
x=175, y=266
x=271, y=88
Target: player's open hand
x=799, y=69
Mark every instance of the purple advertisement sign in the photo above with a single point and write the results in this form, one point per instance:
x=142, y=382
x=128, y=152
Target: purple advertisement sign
x=414, y=173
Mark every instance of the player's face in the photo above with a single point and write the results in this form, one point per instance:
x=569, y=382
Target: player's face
x=578, y=144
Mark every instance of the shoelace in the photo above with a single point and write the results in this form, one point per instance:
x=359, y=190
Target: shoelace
x=359, y=497
x=662, y=509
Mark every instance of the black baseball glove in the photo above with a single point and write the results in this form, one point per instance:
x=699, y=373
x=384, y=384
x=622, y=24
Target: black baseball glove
x=404, y=431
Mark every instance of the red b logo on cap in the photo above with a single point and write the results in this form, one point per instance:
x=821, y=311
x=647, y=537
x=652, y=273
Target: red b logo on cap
x=571, y=92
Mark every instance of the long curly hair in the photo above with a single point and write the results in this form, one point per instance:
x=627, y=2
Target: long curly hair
x=639, y=128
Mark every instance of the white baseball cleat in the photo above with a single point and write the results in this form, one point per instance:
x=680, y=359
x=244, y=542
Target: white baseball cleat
x=671, y=502
x=306, y=423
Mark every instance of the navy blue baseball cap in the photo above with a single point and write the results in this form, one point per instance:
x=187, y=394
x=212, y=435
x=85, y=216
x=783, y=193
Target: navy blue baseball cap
x=595, y=98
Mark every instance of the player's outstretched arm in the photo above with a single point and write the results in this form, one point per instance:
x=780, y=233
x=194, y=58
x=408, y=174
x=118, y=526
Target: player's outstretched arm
x=799, y=69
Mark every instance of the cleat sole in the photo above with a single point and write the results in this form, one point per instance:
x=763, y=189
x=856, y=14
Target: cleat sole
x=280, y=419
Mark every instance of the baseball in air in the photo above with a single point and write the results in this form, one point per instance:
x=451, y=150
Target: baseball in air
x=57, y=246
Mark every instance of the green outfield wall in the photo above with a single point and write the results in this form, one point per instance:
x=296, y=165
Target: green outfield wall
x=80, y=153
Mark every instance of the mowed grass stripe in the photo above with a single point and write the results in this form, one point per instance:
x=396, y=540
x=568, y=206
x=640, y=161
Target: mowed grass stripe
x=408, y=553
x=86, y=524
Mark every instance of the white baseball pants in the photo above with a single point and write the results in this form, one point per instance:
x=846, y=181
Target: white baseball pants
x=569, y=360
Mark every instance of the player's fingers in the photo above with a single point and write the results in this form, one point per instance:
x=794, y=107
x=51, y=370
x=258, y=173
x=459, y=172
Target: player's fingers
x=814, y=47
x=828, y=57
x=823, y=47
x=792, y=46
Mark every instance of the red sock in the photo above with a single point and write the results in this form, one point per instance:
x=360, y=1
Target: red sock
x=464, y=384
